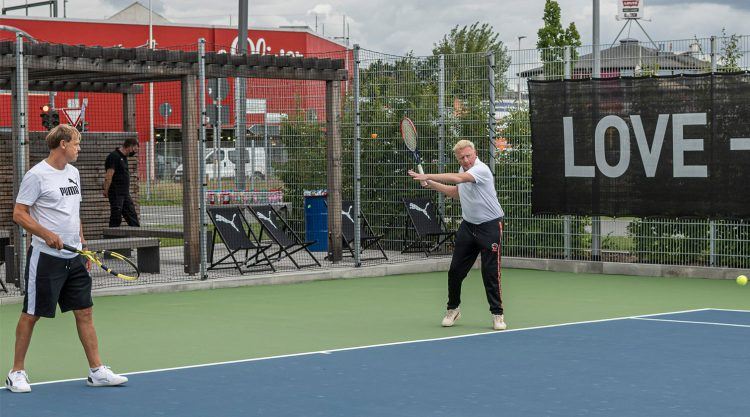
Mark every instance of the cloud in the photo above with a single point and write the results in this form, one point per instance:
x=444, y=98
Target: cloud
x=321, y=9
x=400, y=26
x=156, y=5
x=735, y=4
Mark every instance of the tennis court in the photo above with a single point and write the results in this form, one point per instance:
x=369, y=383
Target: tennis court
x=635, y=355
x=685, y=363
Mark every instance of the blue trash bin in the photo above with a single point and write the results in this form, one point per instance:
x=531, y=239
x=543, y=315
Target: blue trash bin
x=316, y=220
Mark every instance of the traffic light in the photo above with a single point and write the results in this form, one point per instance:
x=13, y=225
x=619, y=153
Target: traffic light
x=50, y=117
x=46, y=117
x=55, y=116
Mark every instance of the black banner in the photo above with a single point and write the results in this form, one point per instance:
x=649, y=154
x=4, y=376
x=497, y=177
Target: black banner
x=668, y=146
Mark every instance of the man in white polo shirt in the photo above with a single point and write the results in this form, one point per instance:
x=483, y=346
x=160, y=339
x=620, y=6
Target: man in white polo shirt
x=48, y=207
x=480, y=229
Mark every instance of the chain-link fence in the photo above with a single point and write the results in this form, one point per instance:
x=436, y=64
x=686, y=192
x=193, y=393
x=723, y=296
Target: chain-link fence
x=690, y=242
x=280, y=130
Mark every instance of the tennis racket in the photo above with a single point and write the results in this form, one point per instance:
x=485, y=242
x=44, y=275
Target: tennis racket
x=498, y=248
x=409, y=133
x=116, y=264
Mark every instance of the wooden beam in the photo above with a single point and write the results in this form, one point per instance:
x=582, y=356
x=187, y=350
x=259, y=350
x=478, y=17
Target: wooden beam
x=115, y=70
x=190, y=177
x=88, y=65
x=333, y=147
x=128, y=113
x=37, y=85
x=286, y=73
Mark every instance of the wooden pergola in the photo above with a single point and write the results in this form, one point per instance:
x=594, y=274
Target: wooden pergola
x=56, y=67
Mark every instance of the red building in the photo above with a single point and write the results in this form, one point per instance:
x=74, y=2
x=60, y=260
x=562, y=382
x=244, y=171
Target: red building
x=104, y=111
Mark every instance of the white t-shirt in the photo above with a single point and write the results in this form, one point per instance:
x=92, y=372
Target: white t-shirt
x=479, y=199
x=54, y=196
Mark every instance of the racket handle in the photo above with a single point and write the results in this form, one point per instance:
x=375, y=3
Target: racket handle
x=69, y=248
x=421, y=171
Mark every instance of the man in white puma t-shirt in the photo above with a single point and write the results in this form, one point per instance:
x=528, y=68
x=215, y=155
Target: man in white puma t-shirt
x=48, y=206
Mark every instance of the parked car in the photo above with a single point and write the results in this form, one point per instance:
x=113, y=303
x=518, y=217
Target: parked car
x=227, y=161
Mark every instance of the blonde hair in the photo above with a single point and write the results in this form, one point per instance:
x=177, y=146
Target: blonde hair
x=463, y=143
x=61, y=133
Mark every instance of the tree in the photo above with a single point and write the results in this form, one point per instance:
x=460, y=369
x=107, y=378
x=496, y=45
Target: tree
x=553, y=39
x=730, y=52
x=470, y=40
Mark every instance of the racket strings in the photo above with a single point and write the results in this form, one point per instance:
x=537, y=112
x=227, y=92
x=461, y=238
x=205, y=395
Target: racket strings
x=117, y=265
x=410, y=139
x=409, y=133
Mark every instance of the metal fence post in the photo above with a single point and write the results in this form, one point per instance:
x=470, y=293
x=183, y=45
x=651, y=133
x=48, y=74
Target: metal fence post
x=567, y=220
x=357, y=156
x=596, y=223
x=19, y=127
x=441, y=126
x=240, y=133
x=712, y=243
x=201, y=151
x=491, y=110
x=714, y=54
x=712, y=223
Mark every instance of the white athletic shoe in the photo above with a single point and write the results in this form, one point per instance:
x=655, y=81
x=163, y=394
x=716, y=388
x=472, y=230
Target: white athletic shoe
x=104, y=377
x=451, y=316
x=17, y=381
x=498, y=322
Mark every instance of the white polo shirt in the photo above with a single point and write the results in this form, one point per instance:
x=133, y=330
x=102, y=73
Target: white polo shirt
x=479, y=199
x=54, y=198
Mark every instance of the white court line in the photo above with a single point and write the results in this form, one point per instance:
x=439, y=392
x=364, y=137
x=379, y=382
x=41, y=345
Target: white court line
x=330, y=351
x=727, y=309
x=693, y=322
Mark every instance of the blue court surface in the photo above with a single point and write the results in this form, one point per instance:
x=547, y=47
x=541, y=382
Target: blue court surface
x=694, y=363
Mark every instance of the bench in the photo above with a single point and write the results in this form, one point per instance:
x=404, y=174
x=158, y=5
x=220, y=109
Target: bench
x=129, y=231
x=148, y=250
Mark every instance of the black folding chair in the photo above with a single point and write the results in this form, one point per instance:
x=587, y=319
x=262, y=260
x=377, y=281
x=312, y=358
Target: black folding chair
x=277, y=229
x=428, y=225
x=367, y=237
x=4, y=241
x=231, y=226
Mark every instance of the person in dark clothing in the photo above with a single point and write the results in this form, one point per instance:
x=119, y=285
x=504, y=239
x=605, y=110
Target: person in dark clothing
x=117, y=184
x=480, y=231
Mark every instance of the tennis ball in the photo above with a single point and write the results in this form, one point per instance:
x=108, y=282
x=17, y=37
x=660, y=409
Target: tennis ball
x=742, y=280
x=374, y=135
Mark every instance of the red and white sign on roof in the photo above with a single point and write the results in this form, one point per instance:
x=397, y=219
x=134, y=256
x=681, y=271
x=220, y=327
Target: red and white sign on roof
x=630, y=9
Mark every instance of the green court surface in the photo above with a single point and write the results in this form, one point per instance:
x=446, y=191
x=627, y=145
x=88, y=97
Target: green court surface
x=157, y=331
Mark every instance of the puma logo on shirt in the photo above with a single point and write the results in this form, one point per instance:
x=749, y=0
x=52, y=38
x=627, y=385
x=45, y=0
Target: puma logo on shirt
x=66, y=191
x=72, y=190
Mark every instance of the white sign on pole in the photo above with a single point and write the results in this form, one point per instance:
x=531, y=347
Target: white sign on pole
x=256, y=105
x=275, y=118
x=630, y=9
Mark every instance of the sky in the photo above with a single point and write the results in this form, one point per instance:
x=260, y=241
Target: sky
x=400, y=26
